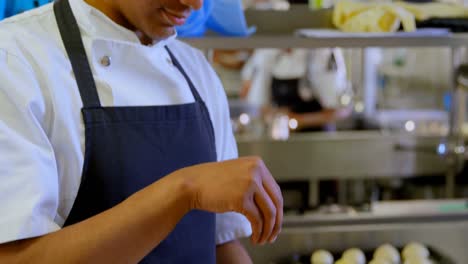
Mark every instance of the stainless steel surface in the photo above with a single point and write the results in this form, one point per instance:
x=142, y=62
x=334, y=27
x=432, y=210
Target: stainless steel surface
x=298, y=16
x=450, y=238
x=370, y=68
x=408, y=212
x=285, y=41
x=346, y=155
x=275, y=29
x=454, y=144
x=445, y=232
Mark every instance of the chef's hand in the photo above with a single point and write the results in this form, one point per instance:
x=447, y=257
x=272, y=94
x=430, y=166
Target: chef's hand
x=243, y=185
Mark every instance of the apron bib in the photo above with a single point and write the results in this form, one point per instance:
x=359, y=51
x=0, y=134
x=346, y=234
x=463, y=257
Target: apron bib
x=129, y=148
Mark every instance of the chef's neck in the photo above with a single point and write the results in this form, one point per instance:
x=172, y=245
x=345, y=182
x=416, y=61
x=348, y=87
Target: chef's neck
x=112, y=12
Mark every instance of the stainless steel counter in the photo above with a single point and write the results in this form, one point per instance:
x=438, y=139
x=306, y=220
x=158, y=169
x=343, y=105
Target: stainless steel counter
x=450, y=238
x=445, y=232
x=347, y=155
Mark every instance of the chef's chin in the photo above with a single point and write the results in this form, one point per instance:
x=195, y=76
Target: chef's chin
x=155, y=35
x=162, y=33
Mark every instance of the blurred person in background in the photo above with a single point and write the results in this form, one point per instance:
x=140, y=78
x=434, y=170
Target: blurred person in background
x=310, y=86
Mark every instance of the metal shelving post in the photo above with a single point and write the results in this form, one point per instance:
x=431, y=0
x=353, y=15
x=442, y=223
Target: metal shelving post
x=453, y=147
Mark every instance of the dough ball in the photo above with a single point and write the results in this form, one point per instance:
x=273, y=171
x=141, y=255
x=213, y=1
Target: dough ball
x=354, y=255
x=321, y=257
x=417, y=260
x=416, y=251
x=388, y=252
x=344, y=261
x=379, y=261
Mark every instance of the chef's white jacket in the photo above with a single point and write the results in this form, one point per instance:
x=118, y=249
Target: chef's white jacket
x=327, y=86
x=41, y=130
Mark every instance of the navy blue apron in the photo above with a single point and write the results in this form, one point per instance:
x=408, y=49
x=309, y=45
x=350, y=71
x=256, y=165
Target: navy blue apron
x=129, y=148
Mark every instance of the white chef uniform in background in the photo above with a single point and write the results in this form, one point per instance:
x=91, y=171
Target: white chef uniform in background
x=325, y=85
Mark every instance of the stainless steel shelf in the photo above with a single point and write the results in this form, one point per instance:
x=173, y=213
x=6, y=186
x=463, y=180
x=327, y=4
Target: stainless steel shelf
x=349, y=221
x=275, y=29
x=346, y=155
x=448, y=237
x=403, y=223
x=291, y=41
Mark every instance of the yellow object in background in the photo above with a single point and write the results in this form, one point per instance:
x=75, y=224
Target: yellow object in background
x=435, y=10
x=352, y=16
x=372, y=20
x=372, y=17
x=345, y=10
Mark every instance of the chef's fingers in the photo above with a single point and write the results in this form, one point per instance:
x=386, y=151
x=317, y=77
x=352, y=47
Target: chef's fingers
x=278, y=203
x=251, y=211
x=268, y=211
x=274, y=192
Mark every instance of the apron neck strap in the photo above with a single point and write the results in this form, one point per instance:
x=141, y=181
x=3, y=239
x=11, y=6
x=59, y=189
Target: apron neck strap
x=176, y=63
x=71, y=37
x=73, y=43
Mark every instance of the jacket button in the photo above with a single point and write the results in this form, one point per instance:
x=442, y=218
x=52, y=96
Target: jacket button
x=106, y=61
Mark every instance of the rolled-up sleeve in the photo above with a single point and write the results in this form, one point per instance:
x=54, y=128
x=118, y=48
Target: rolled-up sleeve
x=28, y=173
x=229, y=226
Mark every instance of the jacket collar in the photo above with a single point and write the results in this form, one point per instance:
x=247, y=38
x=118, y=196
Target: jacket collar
x=97, y=25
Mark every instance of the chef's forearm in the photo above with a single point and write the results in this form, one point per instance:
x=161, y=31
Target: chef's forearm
x=232, y=253
x=123, y=234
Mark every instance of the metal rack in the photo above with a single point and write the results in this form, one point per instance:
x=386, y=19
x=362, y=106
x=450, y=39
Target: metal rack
x=445, y=233
x=290, y=41
x=276, y=30
x=398, y=156
x=453, y=145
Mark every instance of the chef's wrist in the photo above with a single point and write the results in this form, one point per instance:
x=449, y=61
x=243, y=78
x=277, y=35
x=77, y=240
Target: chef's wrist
x=186, y=189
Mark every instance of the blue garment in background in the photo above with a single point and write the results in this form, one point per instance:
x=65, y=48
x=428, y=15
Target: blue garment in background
x=12, y=7
x=225, y=17
x=2, y=9
x=196, y=23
